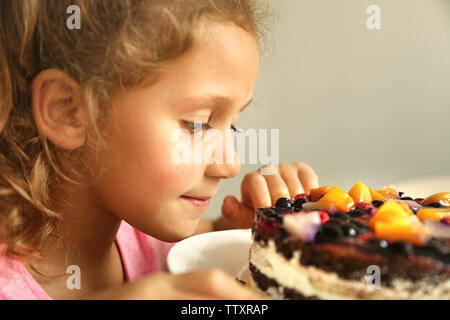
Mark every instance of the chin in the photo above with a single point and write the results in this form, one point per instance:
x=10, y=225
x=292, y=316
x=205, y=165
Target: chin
x=174, y=236
x=173, y=233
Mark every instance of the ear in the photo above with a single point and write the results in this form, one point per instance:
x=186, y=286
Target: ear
x=58, y=110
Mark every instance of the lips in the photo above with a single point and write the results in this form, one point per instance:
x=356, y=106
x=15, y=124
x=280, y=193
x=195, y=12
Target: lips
x=196, y=198
x=198, y=202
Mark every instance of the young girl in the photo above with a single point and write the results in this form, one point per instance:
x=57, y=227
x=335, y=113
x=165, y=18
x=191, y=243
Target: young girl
x=88, y=186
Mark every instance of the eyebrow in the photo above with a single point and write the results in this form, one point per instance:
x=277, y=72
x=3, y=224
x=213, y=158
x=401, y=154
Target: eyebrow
x=217, y=100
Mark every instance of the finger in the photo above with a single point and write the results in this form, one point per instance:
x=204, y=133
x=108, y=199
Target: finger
x=277, y=187
x=214, y=283
x=255, y=192
x=290, y=177
x=307, y=176
x=177, y=289
x=236, y=211
x=188, y=295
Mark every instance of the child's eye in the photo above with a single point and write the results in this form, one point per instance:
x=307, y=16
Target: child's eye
x=235, y=129
x=197, y=126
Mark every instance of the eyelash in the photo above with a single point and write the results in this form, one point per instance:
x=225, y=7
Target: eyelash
x=206, y=126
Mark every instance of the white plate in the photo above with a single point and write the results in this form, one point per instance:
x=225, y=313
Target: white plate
x=227, y=250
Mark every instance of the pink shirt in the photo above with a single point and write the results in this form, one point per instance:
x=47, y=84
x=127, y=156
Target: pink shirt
x=140, y=254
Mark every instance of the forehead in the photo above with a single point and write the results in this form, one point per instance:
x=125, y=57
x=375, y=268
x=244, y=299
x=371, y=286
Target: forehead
x=223, y=61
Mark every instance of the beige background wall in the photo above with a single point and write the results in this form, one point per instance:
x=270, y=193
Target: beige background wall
x=353, y=103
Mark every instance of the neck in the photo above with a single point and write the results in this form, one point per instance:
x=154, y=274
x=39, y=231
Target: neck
x=87, y=232
x=86, y=225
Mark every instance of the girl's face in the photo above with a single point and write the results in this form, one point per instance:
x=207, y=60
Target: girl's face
x=209, y=84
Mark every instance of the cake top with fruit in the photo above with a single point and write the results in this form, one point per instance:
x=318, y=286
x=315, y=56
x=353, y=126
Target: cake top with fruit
x=382, y=221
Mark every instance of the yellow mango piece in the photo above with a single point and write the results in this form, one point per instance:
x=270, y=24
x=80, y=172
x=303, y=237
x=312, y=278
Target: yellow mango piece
x=388, y=192
x=316, y=193
x=376, y=195
x=401, y=232
x=407, y=209
x=391, y=212
x=360, y=193
x=441, y=197
x=433, y=214
x=337, y=199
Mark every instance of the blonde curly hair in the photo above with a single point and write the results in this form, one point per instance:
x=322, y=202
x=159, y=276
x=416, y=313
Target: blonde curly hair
x=121, y=44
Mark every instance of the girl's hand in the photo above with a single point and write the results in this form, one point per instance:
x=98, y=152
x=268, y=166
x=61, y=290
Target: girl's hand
x=259, y=190
x=197, y=285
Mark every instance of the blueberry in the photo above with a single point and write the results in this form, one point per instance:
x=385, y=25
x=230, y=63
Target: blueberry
x=298, y=203
x=283, y=203
x=260, y=212
x=446, y=258
x=321, y=237
x=349, y=231
x=328, y=232
x=435, y=205
x=358, y=213
x=267, y=213
x=402, y=247
x=340, y=215
x=332, y=230
x=379, y=244
x=383, y=244
x=335, y=221
x=271, y=214
x=358, y=224
x=377, y=203
x=435, y=246
x=359, y=230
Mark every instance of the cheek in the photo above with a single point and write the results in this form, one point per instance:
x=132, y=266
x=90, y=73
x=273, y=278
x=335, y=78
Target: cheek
x=139, y=172
x=144, y=162
x=160, y=167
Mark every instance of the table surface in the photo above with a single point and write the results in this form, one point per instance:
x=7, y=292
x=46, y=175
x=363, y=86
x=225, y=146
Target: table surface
x=425, y=186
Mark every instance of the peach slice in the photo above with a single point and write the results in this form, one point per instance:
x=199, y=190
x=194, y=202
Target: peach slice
x=392, y=232
x=360, y=193
x=336, y=199
x=316, y=193
x=391, y=212
x=388, y=192
x=407, y=209
x=376, y=195
x=442, y=197
x=436, y=214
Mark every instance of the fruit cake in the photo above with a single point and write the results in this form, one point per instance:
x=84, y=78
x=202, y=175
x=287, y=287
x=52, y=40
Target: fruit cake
x=361, y=244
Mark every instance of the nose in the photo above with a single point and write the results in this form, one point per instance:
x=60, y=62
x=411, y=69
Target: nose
x=227, y=165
